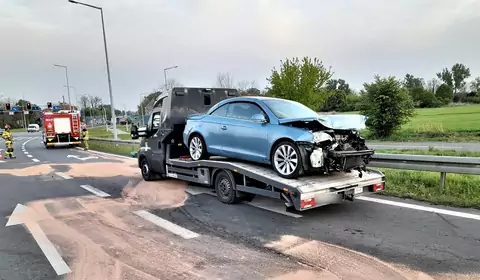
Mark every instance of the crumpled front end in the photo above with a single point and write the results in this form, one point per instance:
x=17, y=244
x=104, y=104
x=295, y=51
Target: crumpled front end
x=333, y=149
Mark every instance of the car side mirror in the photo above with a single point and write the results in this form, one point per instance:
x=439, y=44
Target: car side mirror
x=259, y=118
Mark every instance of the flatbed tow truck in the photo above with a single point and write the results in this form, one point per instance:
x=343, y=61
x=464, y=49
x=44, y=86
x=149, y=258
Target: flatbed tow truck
x=162, y=155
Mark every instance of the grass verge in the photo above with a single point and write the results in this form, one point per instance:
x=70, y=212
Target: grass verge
x=460, y=190
x=102, y=132
x=119, y=149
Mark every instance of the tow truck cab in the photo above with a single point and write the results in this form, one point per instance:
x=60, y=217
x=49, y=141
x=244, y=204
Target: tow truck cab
x=162, y=154
x=167, y=121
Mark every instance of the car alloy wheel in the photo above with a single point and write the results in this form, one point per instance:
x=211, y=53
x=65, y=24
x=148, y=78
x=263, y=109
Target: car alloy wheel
x=286, y=160
x=196, y=148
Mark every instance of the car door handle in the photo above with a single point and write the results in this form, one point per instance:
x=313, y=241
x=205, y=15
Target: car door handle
x=224, y=127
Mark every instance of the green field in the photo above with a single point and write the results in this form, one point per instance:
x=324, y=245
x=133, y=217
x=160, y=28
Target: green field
x=449, y=124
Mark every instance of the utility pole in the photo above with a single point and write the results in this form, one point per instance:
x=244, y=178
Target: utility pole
x=114, y=118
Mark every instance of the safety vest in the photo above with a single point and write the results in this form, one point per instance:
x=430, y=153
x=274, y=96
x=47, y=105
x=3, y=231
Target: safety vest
x=85, y=135
x=7, y=135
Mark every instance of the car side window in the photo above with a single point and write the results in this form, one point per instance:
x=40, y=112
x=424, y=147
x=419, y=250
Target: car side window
x=220, y=111
x=243, y=110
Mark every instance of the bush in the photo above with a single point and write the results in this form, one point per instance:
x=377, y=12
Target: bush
x=444, y=93
x=387, y=105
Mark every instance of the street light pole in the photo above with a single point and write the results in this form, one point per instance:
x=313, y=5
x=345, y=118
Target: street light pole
x=165, y=74
x=114, y=118
x=68, y=87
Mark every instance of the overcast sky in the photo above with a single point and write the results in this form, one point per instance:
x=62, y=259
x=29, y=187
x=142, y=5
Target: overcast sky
x=244, y=37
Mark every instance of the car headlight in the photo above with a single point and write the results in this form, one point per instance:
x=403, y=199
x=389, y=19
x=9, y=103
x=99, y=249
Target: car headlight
x=320, y=136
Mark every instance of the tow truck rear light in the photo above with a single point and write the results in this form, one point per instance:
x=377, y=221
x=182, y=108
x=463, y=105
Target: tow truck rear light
x=307, y=203
x=378, y=187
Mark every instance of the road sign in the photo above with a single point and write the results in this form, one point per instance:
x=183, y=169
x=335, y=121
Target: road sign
x=56, y=108
x=11, y=113
x=15, y=108
x=26, y=112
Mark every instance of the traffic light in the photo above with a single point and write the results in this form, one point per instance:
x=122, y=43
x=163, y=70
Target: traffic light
x=29, y=106
x=49, y=105
x=7, y=106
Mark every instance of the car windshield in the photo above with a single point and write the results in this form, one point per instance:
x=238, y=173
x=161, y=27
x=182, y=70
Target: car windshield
x=285, y=109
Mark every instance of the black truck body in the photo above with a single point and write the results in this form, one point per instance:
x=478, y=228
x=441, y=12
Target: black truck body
x=163, y=155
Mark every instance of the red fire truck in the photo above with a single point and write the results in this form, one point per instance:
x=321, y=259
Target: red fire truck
x=61, y=128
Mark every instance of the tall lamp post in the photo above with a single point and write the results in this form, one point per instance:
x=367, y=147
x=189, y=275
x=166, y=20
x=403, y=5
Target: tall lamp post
x=114, y=118
x=165, y=74
x=68, y=86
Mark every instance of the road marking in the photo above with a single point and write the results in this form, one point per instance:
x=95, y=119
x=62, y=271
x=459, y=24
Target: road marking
x=48, y=249
x=80, y=158
x=35, y=160
x=63, y=175
x=421, y=208
x=95, y=191
x=25, y=153
x=173, y=228
x=30, y=156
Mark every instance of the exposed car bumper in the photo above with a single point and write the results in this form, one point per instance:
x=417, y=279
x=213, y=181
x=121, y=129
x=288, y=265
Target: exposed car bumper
x=340, y=160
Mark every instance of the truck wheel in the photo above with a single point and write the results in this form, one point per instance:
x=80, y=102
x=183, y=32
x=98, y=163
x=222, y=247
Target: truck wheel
x=287, y=160
x=197, y=148
x=147, y=173
x=224, y=187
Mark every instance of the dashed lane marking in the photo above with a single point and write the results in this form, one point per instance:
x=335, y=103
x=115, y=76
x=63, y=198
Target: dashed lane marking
x=30, y=156
x=167, y=225
x=421, y=208
x=95, y=191
x=35, y=160
x=63, y=175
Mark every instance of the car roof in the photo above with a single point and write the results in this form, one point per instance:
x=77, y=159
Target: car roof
x=250, y=98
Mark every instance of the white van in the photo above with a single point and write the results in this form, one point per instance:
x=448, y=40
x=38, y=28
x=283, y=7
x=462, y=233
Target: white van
x=33, y=128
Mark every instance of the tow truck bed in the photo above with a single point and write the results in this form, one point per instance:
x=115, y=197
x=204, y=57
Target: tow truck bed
x=303, y=193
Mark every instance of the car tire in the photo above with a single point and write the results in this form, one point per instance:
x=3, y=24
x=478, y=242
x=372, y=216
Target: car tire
x=287, y=160
x=224, y=187
x=197, y=147
x=147, y=172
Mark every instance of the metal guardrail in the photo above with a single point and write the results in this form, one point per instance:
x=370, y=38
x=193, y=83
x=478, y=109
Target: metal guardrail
x=441, y=164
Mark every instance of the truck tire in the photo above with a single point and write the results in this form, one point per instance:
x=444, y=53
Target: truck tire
x=147, y=172
x=224, y=183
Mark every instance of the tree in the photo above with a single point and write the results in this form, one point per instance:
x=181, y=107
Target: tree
x=244, y=85
x=444, y=93
x=386, y=105
x=171, y=83
x=446, y=77
x=433, y=85
x=410, y=82
x=224, y=80
x=300, y=80
x=459, y=72
x=339, y=84
x=475, y=85
x=84, y=101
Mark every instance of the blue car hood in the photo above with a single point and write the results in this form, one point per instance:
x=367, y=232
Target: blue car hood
x=319, y=121
x=356, y=122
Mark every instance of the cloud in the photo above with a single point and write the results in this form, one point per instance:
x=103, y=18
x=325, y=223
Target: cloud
x=245, y=37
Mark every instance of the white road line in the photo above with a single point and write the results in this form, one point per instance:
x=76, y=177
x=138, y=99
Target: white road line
x=30, y=156
x=105, y=154
x=421, y=208
x=35, y=160
x=63, y=175
x=95, y=191
x=25, y=152
x=173, y=228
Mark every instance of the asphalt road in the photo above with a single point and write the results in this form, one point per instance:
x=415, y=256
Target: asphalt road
x=96, y=219
x=468, y=147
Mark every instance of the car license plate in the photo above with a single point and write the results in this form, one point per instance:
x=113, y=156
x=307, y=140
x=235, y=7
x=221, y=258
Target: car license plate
x=358, y=190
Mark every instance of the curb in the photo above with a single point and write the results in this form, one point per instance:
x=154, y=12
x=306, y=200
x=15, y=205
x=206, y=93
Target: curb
x=104, y=153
